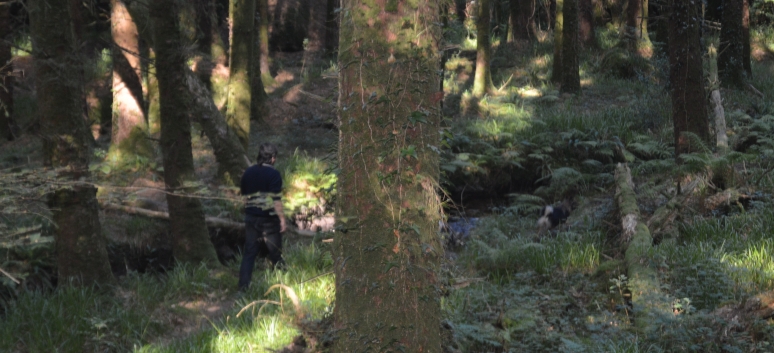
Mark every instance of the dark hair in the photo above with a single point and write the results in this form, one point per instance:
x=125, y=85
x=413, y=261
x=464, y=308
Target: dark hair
x=266, y=152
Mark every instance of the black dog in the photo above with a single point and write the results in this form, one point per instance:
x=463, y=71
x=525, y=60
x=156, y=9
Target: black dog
x=552, y=216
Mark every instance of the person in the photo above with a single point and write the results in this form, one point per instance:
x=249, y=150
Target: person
x=264, y=218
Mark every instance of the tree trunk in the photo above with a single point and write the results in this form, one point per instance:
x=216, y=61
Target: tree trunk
x=636, y=32
x=482, y=82
x=80, y=245
x=331, y=27
x=190, y=240
x=522, y=19
x=731, y=51
x=586, y=33
x=206, y=27
x=128, y=113
x=556, y=75
x=460, y=6
x=746, y=51
x=259, y=107
x=570, y=64
x=239, y=83
x=7, y=125
x=263, y=40
x=386, y=249
x=689, y=110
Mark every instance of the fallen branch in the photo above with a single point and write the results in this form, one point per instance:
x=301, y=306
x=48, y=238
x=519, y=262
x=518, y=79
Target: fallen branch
x=647, y=299
x=9, y=276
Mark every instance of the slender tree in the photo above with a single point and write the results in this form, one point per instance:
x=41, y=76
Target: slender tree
x=190, y=240
x=80, y=245
x=460, y=6
x=586, y=31
x=331, y=26
x=522, y=19
x=731, y=52
x=259, y=106
x=7, y=125
x=482, y=82
x=240, y=98
x=263, y=40
x=746, y=51
x=128, y=112
x=387, y=252
x=556, y=75
x=689, y=111
x=636, y=32
x=570, y=48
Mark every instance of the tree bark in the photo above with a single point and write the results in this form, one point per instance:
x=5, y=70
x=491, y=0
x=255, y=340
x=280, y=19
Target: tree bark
x=263, y=40
x=522, y=20
x=190, y=240
x=239, y=83
x=689, y=110
x=460, y=6
x=746, y=51
x=570, y=64
x=7, y=125
x=259, y=106
x=331, y=27
x=586, y=33
x=636, y=32
x=731, y=51
x=482, y=82
x=386, y=249
x=80, y=245
x=128, y=112
x=556, y=75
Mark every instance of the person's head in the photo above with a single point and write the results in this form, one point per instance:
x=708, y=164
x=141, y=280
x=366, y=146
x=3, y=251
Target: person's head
x=267, y=153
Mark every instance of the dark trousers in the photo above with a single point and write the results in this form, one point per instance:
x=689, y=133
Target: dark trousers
x=262, y=239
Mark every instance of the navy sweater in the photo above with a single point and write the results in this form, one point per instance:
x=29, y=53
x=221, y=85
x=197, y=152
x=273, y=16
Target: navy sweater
x=262, y=185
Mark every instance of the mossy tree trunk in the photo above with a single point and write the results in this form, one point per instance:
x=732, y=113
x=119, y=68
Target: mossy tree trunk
x=259, y=107
x=570, y=48
x=482, y=82
x=80, y=245
x=7, y=125
x=636, y=30
x=190, y=240
x=263, y=40
x=689, y=110
x=522, y=20
x=128, y=113
x=586, y=31
x=387, y=251
x=731, y=52
x=240, y=97
x=556, y=75
x=206, y=26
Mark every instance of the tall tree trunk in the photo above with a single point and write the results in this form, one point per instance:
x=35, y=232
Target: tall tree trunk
x=746, y=51
x=522, y=19
x=556, y=75
x=586, y=33
x=259, y=107
x=459, y=9
x=689, y=110
x=263, y=40
x=190, y=240
x=482, y=82
x=239, y=84
x=731, y=51
x=128, y=112
x=570, y=46
x=7, y=125
x=636, y=30
x=387, y=252
x=80, y=245
x=331, y=27
x=206, y=26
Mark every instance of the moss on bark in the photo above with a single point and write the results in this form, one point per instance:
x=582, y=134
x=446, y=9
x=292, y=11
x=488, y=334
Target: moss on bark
x=387, y=249
x=731, y=68
x=570, y=48
x=81, y=253
x=636, y=30
x=482, y=82
x=259, y=106
x=240, y=98
x=190, y=240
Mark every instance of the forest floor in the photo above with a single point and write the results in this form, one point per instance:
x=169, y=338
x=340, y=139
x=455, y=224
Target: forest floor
x=505, y=288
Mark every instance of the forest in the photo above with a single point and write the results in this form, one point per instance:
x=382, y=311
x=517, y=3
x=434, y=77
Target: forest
x=458, y=176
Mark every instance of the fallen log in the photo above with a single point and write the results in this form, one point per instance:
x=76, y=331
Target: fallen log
x=213, y=222
x=648, y=303
x=660, y=223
